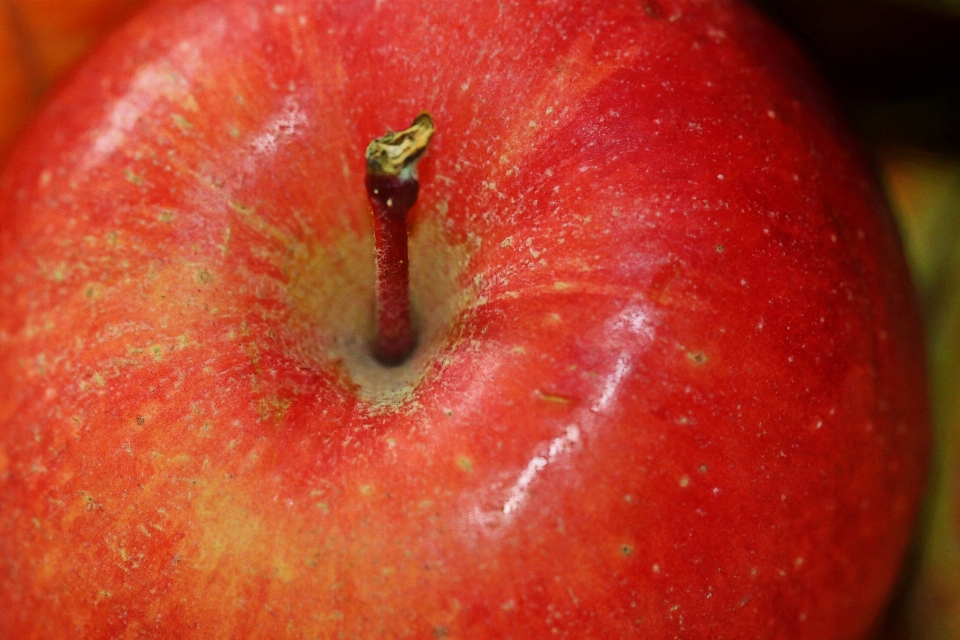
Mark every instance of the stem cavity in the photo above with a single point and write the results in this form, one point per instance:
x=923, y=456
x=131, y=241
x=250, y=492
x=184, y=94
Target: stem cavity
x=392, y=190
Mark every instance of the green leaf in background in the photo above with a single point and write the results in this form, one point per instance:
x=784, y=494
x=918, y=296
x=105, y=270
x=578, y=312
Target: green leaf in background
x=924, y=190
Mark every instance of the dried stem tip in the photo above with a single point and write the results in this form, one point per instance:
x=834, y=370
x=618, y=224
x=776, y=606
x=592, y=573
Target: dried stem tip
x=396, y=153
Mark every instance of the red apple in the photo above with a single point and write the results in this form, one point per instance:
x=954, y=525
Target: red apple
x=669, y=380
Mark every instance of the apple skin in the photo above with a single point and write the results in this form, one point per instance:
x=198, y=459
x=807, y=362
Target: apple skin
x=670, y=380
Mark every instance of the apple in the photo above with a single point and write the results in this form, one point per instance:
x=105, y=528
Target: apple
x=668, y=378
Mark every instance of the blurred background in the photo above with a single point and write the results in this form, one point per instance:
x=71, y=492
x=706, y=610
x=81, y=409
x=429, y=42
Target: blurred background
x=39, y=41
x=894, y=66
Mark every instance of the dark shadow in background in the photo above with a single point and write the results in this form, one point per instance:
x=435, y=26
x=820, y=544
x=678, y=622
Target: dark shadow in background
x=894, y=66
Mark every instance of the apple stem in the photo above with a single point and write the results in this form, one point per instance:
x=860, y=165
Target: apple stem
x=392, y=190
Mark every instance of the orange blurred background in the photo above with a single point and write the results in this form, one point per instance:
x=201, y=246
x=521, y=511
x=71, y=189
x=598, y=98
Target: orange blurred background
x=39, y=40
x=894, y=66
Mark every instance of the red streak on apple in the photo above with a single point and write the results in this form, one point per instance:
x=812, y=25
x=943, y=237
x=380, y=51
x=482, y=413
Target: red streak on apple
x=668, y=382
